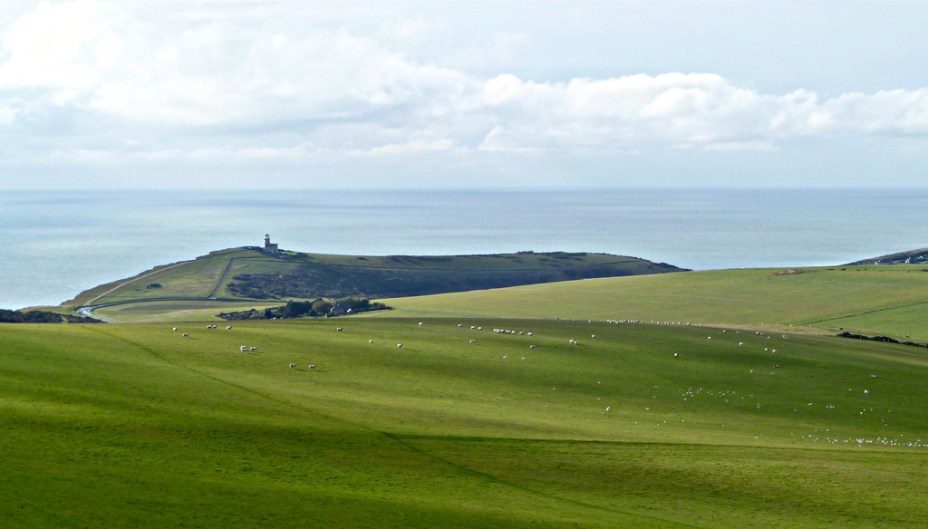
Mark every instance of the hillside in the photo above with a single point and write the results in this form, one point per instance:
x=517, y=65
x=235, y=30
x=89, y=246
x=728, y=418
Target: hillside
x=865, y=299
x=919, y=256
x=642, y=426
x=249, y=274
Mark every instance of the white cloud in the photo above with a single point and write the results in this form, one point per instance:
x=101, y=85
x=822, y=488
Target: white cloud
x=339, y=89
x=419, y=146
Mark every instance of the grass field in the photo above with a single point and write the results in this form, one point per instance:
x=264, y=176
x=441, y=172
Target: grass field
x=643, y=426
x=177, y=311
x=890, y=300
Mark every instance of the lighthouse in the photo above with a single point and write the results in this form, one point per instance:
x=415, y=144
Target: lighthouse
x=269, y=247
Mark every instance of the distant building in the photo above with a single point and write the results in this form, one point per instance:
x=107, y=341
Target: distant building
x=269, y=247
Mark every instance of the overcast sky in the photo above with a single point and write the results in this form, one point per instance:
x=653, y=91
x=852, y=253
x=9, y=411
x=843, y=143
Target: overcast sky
x=293, y=94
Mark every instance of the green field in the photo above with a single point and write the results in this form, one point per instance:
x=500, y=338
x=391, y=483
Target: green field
x=138, y=426
x=890, y=300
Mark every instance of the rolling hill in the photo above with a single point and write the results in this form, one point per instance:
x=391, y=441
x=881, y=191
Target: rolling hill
x=867, y=299
x=642, y=426
x=248, y=274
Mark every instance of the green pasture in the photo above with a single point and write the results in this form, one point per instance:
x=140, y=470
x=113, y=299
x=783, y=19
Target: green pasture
x=175, y=311
x=642, y=426
x=888, y=300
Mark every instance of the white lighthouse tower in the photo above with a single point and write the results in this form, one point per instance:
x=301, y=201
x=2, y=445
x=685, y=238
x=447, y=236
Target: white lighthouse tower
x=269, y=247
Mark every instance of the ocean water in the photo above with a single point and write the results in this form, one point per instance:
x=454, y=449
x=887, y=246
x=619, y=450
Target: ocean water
x=58, y=243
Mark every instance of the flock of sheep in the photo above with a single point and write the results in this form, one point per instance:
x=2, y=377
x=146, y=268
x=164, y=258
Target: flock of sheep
x=688, y=395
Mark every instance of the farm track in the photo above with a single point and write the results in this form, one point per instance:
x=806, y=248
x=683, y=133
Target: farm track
x=404, y=441
x=872, y=311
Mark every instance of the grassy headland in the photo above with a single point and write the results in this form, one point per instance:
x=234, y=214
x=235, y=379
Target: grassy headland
x=248, y=274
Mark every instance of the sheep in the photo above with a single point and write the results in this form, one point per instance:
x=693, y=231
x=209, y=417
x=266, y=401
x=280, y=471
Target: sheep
x=572, y=341
x=399, y=345
x=174, y=329
x=243, y=348
x=339, y=329
x=292, y=366
x=312, y=366
x=186, y=334
x=472, y=341
x=252, y=348
x=593, y=336
x=370, y=341
x=460, y=325
x=228, y=327
x=675, y=355
x=421, y=324
x=532, y=346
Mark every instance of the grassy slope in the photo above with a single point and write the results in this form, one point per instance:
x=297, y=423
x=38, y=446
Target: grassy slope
x=202, y=277
x=133, y=425
x=176, y=311
x=876, y=300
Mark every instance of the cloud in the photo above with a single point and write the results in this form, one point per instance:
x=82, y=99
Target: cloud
x=315, y=81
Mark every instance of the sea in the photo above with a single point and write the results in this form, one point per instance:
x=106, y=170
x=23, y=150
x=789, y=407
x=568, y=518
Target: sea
x=56, y=244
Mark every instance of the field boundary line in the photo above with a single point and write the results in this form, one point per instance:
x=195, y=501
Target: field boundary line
x=871, y=311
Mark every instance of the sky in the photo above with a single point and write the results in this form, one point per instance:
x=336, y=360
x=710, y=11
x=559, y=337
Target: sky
x=378, y=95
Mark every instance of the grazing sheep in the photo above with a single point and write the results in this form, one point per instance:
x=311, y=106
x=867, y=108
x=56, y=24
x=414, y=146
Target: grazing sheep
x=572, y=341
x=593, y=336
x=174, y=329
x=292, y=366
x=530, y=334
x=338, y=329
x=243, y=348
x=421, y=324
x=312, y=366
x=370, y=341
x=228, y=327
x=186, y=334
x=252, y=348
x=399, y=345
x=472, y=341
x=460, y=325
x=532, y=346
x=675, y=355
